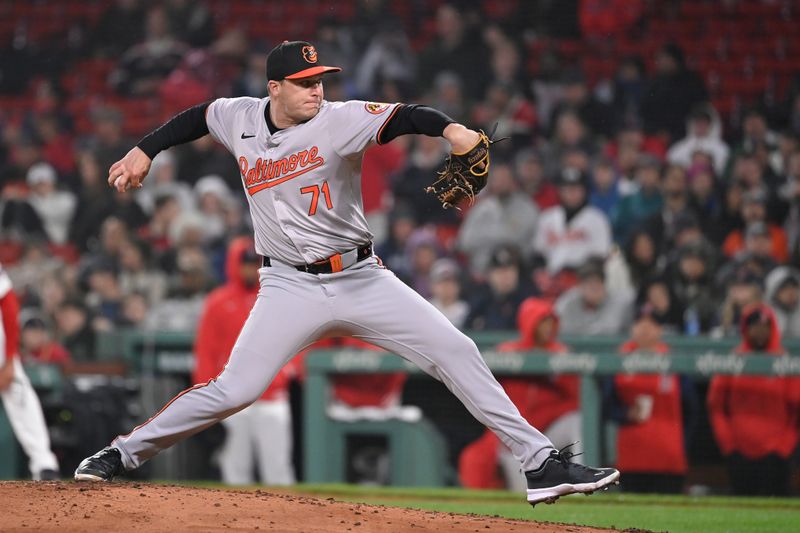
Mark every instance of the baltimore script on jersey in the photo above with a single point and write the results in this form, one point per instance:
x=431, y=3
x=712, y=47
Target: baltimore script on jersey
x=268, y=173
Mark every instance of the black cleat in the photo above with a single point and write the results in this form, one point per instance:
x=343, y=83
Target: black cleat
x=102, y=466
x=557, y=476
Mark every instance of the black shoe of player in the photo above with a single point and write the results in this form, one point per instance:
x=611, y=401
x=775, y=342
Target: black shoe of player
x=102, y=466
x=557, y=476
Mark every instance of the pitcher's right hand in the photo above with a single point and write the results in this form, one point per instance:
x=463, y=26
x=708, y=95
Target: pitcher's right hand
x=129, y=171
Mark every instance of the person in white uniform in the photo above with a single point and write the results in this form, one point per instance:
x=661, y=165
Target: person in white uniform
x=300, y=161
x=21, y=404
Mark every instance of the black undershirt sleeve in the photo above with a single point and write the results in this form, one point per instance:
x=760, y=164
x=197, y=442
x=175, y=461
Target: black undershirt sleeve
x=414, y=118
x=184, y=127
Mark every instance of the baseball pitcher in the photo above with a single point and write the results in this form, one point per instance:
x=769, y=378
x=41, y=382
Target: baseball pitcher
x=300, y=160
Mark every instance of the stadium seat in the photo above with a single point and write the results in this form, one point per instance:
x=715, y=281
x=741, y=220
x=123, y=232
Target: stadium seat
x=698, y=10
x=10, y=251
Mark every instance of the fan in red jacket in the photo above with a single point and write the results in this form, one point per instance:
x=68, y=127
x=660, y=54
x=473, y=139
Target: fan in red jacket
x=261, y=433
x=651, y=441
x=547, y=402
x=755, y=418
x=366, y=390
x=36, y=344
x=354, y=391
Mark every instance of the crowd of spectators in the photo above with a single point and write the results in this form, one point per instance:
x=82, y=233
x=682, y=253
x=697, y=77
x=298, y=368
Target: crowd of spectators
x=627, y=206
x=608, y=196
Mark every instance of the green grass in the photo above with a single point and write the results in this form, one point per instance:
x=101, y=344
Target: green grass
x=675, y=514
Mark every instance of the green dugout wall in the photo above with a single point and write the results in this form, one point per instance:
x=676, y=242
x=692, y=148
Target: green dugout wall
x=164, y=356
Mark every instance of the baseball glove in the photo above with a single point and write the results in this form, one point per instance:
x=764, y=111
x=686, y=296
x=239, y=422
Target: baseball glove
x=464, y=174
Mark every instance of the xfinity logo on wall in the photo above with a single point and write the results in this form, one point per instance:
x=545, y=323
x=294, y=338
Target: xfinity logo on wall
x=642, y=363
x=508, y=361
x=583, y=363
x=358, y=359
x=710, y=363
x=783, y=366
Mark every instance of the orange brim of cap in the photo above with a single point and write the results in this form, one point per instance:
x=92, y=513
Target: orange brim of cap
x=313, y=71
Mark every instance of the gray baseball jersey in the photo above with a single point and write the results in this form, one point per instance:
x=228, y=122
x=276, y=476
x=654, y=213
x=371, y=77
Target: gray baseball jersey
x=303, y=184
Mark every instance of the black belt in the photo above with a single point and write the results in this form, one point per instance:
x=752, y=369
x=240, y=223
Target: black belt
x=329, y=265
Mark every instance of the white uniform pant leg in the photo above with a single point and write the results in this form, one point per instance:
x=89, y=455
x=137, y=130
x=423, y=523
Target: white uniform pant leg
x=289, y=313
x=237, y=457
x=272, y=441
x=25, y=415
x=381, y=309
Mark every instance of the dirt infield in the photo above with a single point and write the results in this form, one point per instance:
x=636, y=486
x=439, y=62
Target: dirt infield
x=67, y=506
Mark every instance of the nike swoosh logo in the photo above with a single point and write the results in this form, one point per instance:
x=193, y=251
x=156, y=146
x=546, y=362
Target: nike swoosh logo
x=247, y=136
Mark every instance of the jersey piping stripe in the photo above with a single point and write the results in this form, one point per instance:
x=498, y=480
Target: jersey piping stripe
x=266, y=185
x=190, y=389
x=385, y=122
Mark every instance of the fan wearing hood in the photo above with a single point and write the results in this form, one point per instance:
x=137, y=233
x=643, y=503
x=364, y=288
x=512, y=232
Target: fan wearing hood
x=549, y=402
x=783, y=294
x=755, y=418
x=703, y=134
x=261, y=433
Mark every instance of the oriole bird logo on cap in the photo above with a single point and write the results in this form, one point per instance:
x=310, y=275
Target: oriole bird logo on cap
x=310, y=54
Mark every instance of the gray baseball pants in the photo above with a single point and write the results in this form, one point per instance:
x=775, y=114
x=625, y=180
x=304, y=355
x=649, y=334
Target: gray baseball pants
x=293, y=309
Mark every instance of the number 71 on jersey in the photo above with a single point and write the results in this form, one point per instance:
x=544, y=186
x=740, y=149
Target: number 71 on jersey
x=314, y=190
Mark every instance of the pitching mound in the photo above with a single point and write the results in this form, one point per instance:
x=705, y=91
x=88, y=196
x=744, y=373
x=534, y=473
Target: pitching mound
x=67, y=506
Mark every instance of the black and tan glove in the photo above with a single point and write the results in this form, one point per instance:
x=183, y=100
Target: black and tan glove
x=464, y=174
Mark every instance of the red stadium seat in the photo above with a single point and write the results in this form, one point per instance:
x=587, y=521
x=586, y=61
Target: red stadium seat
x=597, y=69
x=499, y=9
x=69, y=253
x=698, y=10
x=726, y=106
x=10, y=252
x=570, y=49
x=736, y=46
x=748, y=90
x=750, y=9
